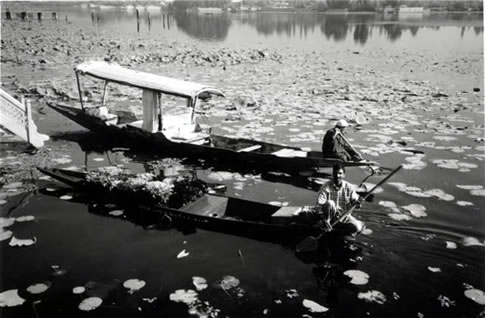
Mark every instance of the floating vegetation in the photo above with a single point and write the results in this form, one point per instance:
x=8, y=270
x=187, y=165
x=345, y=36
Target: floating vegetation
x=229, y=282
x=313, y=306
x=78, y=290
x=38, y=288
x=90, y=303
x=22, y=242
x=291, y=293
x=358, y=277
x=188, y=296
x=472, y=241
x=10, y=298
x=373, y=296
x=445, y=301
x=200, y=283
x=116, y=212
x=416, y=210
x=464, y=203
x=134, y=285
x=5, y=234
x=174, y=191
x=25, y=218
x=476, y=295
x=454, y=164
x=399, y=217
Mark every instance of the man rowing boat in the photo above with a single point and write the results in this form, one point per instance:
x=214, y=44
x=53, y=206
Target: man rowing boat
x=336, y=146
x=335, y=197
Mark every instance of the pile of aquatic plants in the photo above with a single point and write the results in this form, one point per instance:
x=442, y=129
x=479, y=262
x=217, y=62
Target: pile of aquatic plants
x=173, y=191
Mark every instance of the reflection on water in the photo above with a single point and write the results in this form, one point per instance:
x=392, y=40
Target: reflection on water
x=225, y=27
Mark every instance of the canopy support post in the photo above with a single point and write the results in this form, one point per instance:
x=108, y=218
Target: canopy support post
x=192, y=103
x=104, y=92
x=160, y=126
x=79, y=90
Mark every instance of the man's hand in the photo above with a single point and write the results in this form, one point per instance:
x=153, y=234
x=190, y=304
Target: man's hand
x=325, y=226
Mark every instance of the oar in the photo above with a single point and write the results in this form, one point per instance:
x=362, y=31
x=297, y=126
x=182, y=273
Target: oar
x=310, y=243
x=349, y=144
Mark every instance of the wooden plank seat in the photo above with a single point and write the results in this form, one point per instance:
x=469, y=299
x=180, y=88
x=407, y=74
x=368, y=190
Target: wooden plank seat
x=284, y=214
x=250, y=148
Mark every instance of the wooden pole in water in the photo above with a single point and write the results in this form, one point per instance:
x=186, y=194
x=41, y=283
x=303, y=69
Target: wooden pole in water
x=54, y=16
x=23, y=15
x=149, y=21
x=137, y=21
x=8, y=15
x=39, y=16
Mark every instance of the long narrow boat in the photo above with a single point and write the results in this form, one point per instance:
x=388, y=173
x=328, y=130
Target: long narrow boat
x=179, y=135
x=214, y=212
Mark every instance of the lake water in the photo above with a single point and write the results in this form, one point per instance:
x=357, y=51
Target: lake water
x=425, y=264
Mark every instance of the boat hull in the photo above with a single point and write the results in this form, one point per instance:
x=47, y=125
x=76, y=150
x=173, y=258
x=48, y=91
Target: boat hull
x=219, y=148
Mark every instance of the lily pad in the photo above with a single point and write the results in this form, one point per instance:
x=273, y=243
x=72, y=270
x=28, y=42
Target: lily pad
x=38, y=288
x=313, y=306
x=200, y=283
x=133, y=285
x=358, y=277
x=188, y=296
x=476, y=295
x=90, y=303
x=10, y=298
x=19, y=242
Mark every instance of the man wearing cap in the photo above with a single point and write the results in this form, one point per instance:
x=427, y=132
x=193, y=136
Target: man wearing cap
x=336, y=146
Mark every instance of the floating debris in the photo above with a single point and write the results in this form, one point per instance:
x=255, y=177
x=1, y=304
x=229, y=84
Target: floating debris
x=182, y=254
x=399, y=217
x=358, y=277
x=65, y=197
x=451, y=245
x=19, y=242
x=200, y=283
x=90, y=303
x=10, y=298
x=291, y=293
x=313, y=306
x=134, y=285
x=445, y=301
x=476, y=295
x=373, y=296
x=434, y=269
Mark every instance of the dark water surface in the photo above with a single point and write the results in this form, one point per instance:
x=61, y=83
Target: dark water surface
x=421, y=264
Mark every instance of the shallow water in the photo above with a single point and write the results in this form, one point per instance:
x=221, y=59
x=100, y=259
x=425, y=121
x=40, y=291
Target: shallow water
x=422, y=264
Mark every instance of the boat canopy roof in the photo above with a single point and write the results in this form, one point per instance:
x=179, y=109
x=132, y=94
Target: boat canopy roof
x=116, y=73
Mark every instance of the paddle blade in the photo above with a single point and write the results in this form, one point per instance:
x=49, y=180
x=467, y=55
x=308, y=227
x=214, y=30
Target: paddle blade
x=309, y=244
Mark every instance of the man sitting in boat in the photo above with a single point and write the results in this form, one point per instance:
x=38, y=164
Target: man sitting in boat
x=336, y=146
x=335, y=197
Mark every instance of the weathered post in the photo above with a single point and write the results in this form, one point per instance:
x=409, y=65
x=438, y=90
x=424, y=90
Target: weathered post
x=92, y=17
x=163, y=20
x=23, y=15
x=54, y=16
x=8, y=15
x=149, y=21
x=39, y=16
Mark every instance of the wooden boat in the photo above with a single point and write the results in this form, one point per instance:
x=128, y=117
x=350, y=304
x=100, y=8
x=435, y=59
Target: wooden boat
x=215, y=212
x=180, y=135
